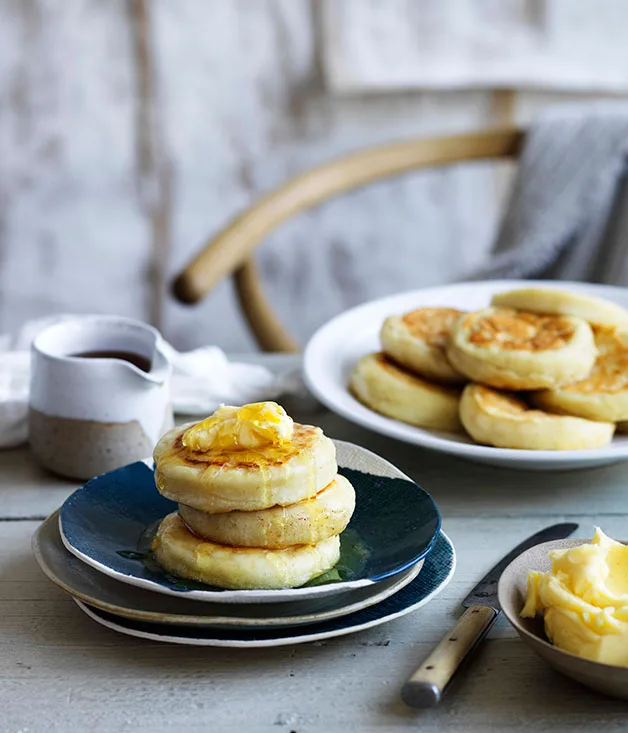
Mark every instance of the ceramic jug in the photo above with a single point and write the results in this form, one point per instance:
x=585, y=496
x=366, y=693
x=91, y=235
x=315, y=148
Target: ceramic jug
x=99, y=395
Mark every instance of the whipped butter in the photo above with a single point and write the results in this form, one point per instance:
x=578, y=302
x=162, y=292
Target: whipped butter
x=584, y=600
x=252, y=426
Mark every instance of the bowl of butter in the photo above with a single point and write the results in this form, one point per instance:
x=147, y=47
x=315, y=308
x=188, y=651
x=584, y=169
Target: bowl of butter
x=568, y=600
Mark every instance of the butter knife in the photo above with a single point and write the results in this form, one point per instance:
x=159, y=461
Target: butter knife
x=427, y=685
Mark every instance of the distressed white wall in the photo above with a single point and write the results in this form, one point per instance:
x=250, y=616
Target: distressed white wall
x=71, y=235
x=110, y=180
x=574, y=45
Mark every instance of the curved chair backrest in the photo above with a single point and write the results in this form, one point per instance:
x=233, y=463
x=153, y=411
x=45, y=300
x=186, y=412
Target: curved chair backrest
x=230, y=251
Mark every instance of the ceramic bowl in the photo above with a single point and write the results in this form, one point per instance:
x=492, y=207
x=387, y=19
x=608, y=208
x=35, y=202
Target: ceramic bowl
x=604, y=678
x=109, y=524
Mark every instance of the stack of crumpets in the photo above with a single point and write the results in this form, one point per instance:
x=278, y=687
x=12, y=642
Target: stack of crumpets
x=545, y=370
x=261, y=502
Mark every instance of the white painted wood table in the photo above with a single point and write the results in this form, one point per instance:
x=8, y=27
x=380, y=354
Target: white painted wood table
x=59, y=671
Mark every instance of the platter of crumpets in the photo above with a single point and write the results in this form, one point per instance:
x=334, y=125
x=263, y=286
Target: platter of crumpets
x=513, y=373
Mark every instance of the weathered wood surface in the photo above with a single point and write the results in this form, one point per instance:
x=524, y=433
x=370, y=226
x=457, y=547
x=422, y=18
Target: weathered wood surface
x=59, y=671
x=461, y=488
x=73, y=237
x=132, y=130
x=513, y=44
x=263, y=117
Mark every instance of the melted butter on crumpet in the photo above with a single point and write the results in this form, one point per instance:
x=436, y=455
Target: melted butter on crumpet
x=256, y=425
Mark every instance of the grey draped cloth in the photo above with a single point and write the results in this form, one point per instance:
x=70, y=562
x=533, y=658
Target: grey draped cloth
x=568, y=213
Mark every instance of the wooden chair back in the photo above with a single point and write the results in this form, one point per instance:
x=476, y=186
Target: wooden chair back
x=229, y=252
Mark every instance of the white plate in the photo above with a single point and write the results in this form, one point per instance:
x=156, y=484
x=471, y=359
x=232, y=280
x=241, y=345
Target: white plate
x=437, y=572
x=334, y=349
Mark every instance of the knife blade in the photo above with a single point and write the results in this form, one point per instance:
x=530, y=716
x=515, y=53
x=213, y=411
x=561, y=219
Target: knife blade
x=427, y=685
x=485, y=592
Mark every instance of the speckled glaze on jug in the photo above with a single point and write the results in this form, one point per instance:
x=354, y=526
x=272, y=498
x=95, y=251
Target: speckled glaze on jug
x=88, y=416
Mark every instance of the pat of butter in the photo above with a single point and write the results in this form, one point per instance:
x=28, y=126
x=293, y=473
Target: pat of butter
x=240, y=428
x=584, y=600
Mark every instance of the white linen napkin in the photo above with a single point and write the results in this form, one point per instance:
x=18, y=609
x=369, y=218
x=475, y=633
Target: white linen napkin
x=202, y=379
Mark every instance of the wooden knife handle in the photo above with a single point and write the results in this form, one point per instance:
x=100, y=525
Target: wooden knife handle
x=427, y=685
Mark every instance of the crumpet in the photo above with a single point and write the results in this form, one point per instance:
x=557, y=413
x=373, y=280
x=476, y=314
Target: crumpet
x=223, y=480
x=417, y=340
x=384, y=386
x=182, y=553
x=506, y=421
x=597, y=311
x=305, y=523
x=513, y=350
x=603, y=395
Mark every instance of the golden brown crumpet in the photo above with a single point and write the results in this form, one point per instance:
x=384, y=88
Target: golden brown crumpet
x=603, y=395
x=384, y=386
x=305, y=523
x=506, y=421
x=418, y=339
x=224, y=480
x=596, y=311
x=510, y=349
x=181, y=552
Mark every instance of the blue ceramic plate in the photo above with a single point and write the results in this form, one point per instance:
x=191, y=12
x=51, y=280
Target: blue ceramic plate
x=109, y=524
x=121, y=599
x=436, y=573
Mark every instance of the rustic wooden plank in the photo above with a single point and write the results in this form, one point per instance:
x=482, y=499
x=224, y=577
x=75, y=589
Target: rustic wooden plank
x=27, y=490
x=60, y=671
x=461, y=488
x=71, y=669
x=153, y=170
x=406, y=44
x=530, y=104
x=72, y=237
x=202, y=108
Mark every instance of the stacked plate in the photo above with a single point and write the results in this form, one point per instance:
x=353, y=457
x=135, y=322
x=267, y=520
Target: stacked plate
x=394, y=559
